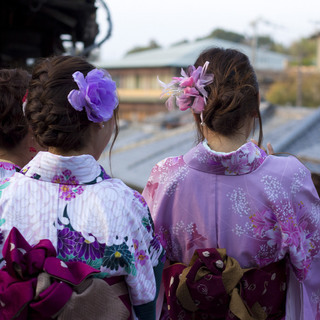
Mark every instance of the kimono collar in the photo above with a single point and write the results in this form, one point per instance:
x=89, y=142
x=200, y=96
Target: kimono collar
x=83, y=169
x=8, y=165
x=242, y=161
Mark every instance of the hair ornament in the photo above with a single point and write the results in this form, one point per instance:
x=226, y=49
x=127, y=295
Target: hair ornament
x=97, y=94
x=188, y=91
x=202, y=123
x=25, y=101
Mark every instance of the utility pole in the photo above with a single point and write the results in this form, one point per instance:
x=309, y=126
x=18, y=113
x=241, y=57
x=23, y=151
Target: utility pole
x=299, y=82
x=316, y=36
x=254, y=42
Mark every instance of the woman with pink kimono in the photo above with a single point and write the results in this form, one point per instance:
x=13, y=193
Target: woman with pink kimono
x=228, y=199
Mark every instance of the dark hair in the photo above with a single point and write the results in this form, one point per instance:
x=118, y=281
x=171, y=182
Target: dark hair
x=13, y=124
x=233, y=95
x=54, y=121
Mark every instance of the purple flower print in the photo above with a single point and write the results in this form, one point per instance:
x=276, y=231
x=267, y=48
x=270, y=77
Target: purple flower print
x=292, y=231
x=65, y=192
x=141, y=257
x=68, y=192
x=140, y=198
x=135, y=244
x=58, y=179
x=105, y=176
x=146, y=223
x=85, y=248
x=1, y=237
x=155, y=243
x=262, y=221
x=69, y=185
x=67, y=173
x=286, y=234
x=8, y=166
x=243, y=161
x=66, y=242
x=300, y=257
x=276, y=237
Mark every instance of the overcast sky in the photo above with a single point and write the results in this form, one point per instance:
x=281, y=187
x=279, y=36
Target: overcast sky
x=136, y=22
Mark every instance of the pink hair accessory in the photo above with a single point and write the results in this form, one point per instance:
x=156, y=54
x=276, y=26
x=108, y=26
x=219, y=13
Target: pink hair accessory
x=25, y=101
x=188, y=91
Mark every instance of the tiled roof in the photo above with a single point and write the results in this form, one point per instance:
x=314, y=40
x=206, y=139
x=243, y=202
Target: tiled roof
x=139, y=147
x=185, y=54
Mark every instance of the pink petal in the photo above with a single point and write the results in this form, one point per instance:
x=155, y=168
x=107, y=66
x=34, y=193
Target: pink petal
x=198, y=105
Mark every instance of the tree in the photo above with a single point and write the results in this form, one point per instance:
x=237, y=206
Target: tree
x=225, y=35
x=265, y=41
x=185, y=41
x=152, y=45
x=284, y=91
x=278, y=47
x=303, y=52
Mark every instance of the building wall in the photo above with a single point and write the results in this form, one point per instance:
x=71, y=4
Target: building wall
x=139, y=90
x=142, y=78
x=139, y=111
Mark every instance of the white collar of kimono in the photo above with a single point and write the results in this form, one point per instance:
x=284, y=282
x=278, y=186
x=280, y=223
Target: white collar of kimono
x=206, y=145
x=242, y=161
x=83, y=169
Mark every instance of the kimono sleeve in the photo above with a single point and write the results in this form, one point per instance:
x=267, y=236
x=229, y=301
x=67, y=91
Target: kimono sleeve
x=160, y=178
x=146, y=252
x=303, y=297
x=150, y=189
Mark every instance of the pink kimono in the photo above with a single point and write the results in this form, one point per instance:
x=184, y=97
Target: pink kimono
x=260, y=208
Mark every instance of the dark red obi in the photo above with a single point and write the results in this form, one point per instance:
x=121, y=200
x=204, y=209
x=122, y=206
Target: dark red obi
x=34, y=284
x=214, y=286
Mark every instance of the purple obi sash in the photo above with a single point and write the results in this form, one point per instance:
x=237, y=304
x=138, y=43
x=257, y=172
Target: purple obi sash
x=34, y=284
x=214, y=286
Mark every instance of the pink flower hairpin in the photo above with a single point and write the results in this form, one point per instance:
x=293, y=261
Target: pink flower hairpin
x=188, y=91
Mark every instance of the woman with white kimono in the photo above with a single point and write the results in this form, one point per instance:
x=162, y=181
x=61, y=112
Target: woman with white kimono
x=65, y=197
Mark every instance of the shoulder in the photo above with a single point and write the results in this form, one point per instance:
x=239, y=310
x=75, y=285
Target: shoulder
x=286, y=174
x=116, y=190
x=7, y=169
x=285, y=165
x=167, y=171
x=169, y=163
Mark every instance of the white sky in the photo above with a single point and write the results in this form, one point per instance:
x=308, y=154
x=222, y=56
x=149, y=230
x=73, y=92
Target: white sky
x=136, y=22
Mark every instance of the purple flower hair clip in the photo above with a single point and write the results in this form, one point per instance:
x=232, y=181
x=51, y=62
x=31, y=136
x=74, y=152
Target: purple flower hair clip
x=188, y=91
x=97, y=94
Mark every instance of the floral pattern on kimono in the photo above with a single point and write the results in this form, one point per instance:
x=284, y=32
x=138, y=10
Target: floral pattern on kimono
x=7, y=169
x=88, y=215
x=260, y=208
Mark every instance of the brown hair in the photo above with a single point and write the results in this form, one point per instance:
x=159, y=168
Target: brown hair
x=233, y=96
x=54, y=121
x=13, y=124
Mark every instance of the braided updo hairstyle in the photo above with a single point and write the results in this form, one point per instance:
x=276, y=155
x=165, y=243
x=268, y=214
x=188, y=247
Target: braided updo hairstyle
x=13, y=125
x=54, y=121
x=233, y=96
